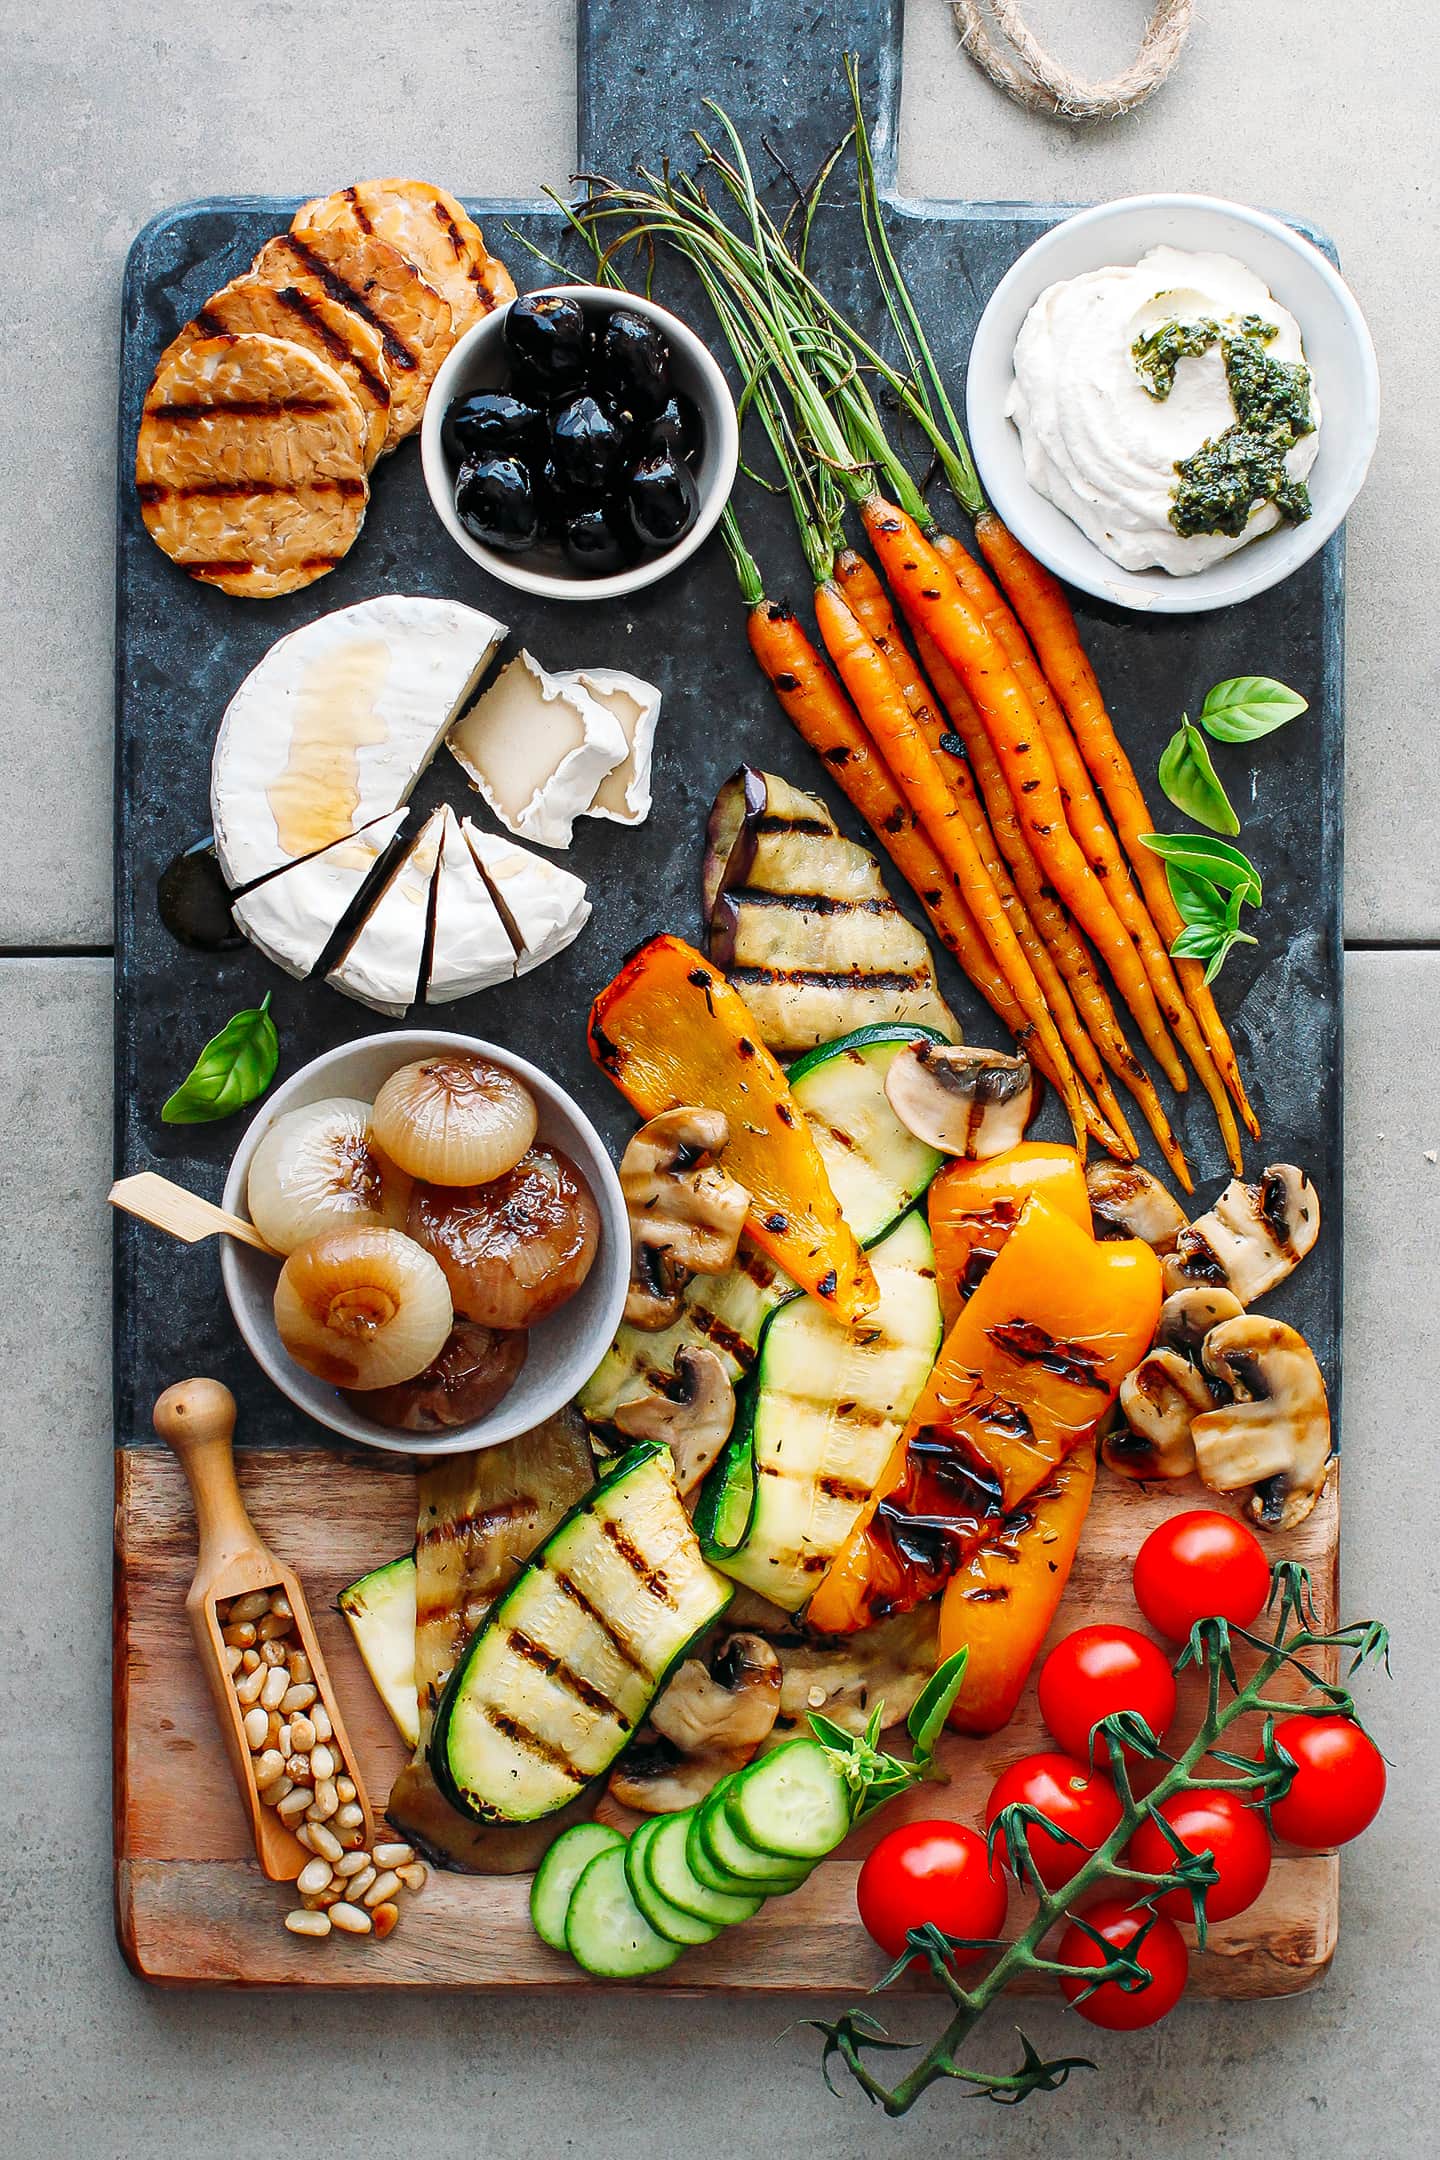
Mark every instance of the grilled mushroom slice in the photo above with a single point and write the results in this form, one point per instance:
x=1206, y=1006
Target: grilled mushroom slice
x=1127, y=1202
x=686, y=1213
x=1164, y=1394
x=1275, y=1435
x=964, y=1101
x=1187, y=1316
x=1252, y=1237
x=693, y=1419
x=708, y=1722
x=846, y=1676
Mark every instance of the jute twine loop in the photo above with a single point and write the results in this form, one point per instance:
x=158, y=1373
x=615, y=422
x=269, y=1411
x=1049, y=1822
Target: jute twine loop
x=1019, y=63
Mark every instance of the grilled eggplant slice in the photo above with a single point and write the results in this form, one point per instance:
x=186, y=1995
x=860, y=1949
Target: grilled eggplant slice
x=566, y=1667
x=800, y=920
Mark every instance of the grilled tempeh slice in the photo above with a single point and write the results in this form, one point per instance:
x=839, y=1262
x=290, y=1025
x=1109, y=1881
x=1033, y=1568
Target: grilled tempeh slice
x=431, y=230
x=801, y=922
x=302, y=309
x=384, y=289
x=566, y=1667
x=250, y=464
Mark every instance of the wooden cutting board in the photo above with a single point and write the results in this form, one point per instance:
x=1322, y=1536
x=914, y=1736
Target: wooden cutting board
x=192, y=1905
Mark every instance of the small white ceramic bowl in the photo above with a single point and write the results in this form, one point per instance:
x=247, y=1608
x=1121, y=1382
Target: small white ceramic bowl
x=1337, y=346
x=564, y=1350
x=477, y=362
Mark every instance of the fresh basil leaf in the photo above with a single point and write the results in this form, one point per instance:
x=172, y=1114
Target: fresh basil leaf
x=1248, y=707
x=1213, y=859
x=1201, y=904
x=1197, y=941
x=235, y=1067
x=1191, y=782
x=933, y=1704
x=1222, y=953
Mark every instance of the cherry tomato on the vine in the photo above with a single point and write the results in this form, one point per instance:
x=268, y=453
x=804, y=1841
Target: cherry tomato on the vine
x=1162, y=1954
x=1097, y=1671
x=1210, y=1821
x=1070, y=1795
x=1200, y=1566
x=932, y=1871
x=1338, y=1785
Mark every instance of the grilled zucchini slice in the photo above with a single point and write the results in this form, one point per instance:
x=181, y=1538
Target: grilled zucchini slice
x=876, y=1168
x=563, y=1671
x=380, y=1608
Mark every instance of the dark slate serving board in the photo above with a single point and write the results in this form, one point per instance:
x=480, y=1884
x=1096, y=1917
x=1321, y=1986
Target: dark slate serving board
x=182, y=650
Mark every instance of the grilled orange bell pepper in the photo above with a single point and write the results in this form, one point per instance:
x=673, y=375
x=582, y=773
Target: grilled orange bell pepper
x=973, y=1207
x=1029, y=1371
x=670, y=1030
x=1000, y=1602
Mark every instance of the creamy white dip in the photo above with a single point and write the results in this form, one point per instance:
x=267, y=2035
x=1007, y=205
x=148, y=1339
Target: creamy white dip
x=1097, y=444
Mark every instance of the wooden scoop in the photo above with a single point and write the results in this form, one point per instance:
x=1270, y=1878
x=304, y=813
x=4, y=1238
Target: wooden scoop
x=197, y=1419
x=181, y=1214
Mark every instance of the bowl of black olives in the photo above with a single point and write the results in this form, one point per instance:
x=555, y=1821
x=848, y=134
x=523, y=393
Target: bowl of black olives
x=579, y=443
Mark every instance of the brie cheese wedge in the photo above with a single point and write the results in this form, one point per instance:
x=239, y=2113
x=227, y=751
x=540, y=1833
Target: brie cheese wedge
x=537, y=747
x=382, y=965
x=336, y=724
x=544, y=907
x=293, y=916
x=623, y=795
x=471, y=949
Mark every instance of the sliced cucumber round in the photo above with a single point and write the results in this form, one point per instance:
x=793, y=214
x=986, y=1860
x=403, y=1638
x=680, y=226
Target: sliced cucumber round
x=722, y=1840
x=794, y=1803
x=667, y=1864
x=605, y=1930
x=671, y=1921
x=708, y=1871
x=558, y=1873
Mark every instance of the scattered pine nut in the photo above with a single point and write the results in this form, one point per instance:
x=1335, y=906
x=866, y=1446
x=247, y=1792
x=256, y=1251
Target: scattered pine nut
x=308, y=1923
x=415, y=1875
x=394, y=1855
x=384, y=1919
x=350, y=1919
x=381, y=1890
x=315, y=1875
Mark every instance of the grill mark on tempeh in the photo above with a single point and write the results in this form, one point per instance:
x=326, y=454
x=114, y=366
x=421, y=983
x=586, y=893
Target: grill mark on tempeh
x=533, y=1653
x=396, y=350
x=639, y=1566
x=292, y=298
x=240, y=408
x=823, y=979
x=571, y=1589
x=158, y=491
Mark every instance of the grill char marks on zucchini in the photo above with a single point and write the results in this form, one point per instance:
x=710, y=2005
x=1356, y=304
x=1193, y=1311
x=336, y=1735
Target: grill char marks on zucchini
x=568, y=1663
x=799, y=918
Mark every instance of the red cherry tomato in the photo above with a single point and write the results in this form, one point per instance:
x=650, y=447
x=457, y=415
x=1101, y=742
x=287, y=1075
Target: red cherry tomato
x=1096, y=1671
x=935, y=1871
x=1071, y=1796
x=1200, y=1566
x=1162, y=1954
x=1338, y=1786
x=1218, y=1823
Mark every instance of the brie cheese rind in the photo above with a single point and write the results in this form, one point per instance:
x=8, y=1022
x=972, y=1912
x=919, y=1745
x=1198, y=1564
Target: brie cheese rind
x=544, y=907
x=537, y=747
x=336, y=724
x=382, y=965
x=623, y=796
x=293, y=915
x=472, y=949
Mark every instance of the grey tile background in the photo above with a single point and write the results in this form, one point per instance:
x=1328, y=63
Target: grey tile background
x=114, y=111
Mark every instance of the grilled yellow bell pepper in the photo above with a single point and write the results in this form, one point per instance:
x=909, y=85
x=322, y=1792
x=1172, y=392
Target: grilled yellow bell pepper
x=973, y=1207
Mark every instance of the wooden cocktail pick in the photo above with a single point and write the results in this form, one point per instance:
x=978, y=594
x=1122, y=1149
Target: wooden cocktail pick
x=181, y=1214
x=197, y=1419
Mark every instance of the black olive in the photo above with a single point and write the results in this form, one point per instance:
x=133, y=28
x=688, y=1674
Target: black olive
x=663, y=500
x=587, y=449
x=492, y=424
x=595, y=543
x=545, y=337
x=495, y=500
x=676, y=427
x=636, y=363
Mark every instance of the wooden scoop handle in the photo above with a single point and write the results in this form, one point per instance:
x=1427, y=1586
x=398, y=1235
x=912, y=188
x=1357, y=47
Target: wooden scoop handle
x=197, y=1419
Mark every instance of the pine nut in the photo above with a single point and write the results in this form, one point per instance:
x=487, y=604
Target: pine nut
x=249, y=1659
x=350, y=1919
x=384, y=1919
x=285, y=1741
x=308, y=1923
x=299, y=1667
x=299, y=1768
x=320, y=1719
x=352, y=1840
x=381, y=1890
x=322, y=1762
x=293, y=1805
x=274, y=1628
x=255, y=1725
x=248, y=1686
x=302, y=1732
x=299, y=1698
x=280, y=1605
x=325, y=1803
x=350, y=1816
x=357, y=1886
x=415, y=1876
x=275, y=1688
x=318, y=1839
x=322, y=1900
x=274, y=1739
x=275, y=1792
x=252, y=1606
x=392, y=1854
x=232, y=1659
x=346, y=1788
x=272, y=1653
x=352, y=1864
x=240, y=1636
x=315, y=1875
x=268, y=1766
